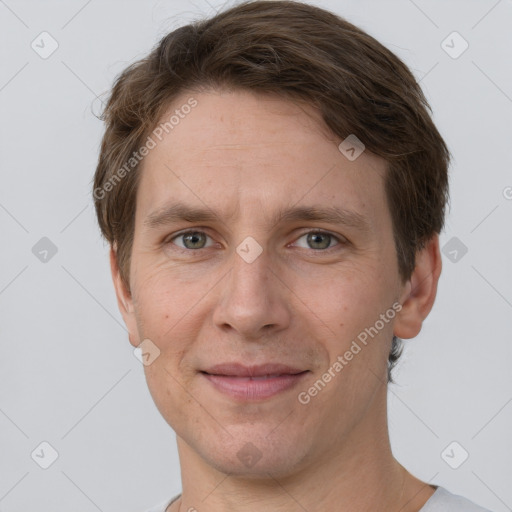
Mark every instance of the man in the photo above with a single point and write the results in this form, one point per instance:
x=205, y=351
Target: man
x=273, y=188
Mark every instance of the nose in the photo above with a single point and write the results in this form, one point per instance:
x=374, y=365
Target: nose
x=253, y=301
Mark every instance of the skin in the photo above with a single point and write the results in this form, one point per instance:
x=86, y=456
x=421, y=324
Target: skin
x=246, y=156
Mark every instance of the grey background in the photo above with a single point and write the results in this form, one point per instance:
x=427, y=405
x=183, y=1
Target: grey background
x=68, y=375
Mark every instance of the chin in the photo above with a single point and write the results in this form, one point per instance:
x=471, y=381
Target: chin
x=253, y=455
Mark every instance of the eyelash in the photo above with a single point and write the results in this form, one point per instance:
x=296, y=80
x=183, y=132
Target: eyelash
x=341, y=241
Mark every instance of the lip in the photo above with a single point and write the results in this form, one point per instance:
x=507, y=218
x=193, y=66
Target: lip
x=253, y=383
x=260, y=370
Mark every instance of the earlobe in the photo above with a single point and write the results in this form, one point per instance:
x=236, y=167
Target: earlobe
x=419, y=293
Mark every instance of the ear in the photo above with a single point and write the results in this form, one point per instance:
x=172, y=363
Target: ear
x=419, y=292
x=124, y=300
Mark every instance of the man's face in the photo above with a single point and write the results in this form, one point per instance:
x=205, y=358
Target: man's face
x=213, y=298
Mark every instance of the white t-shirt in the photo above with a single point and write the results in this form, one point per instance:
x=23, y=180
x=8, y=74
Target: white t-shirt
x=441, y=501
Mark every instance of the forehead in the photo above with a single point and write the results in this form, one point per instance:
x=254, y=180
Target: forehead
x=237, y=148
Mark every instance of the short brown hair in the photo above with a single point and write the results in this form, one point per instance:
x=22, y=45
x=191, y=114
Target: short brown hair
x=300, y=52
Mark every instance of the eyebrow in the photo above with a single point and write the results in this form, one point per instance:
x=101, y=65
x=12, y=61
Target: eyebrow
x=177, y=212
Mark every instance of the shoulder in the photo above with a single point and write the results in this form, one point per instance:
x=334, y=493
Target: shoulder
x=162, y=507
x=441, y=501
x=444, y=501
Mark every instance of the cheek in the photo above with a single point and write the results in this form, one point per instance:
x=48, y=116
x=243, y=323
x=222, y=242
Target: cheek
x=350, y=308
x=162, y=297
x=347, y=300
x=165, y=315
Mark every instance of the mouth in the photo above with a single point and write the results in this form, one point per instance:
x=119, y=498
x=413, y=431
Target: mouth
x=253, y=383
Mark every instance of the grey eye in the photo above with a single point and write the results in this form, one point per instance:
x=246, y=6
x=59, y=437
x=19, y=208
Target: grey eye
x=318, y=240
x=192, y=240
